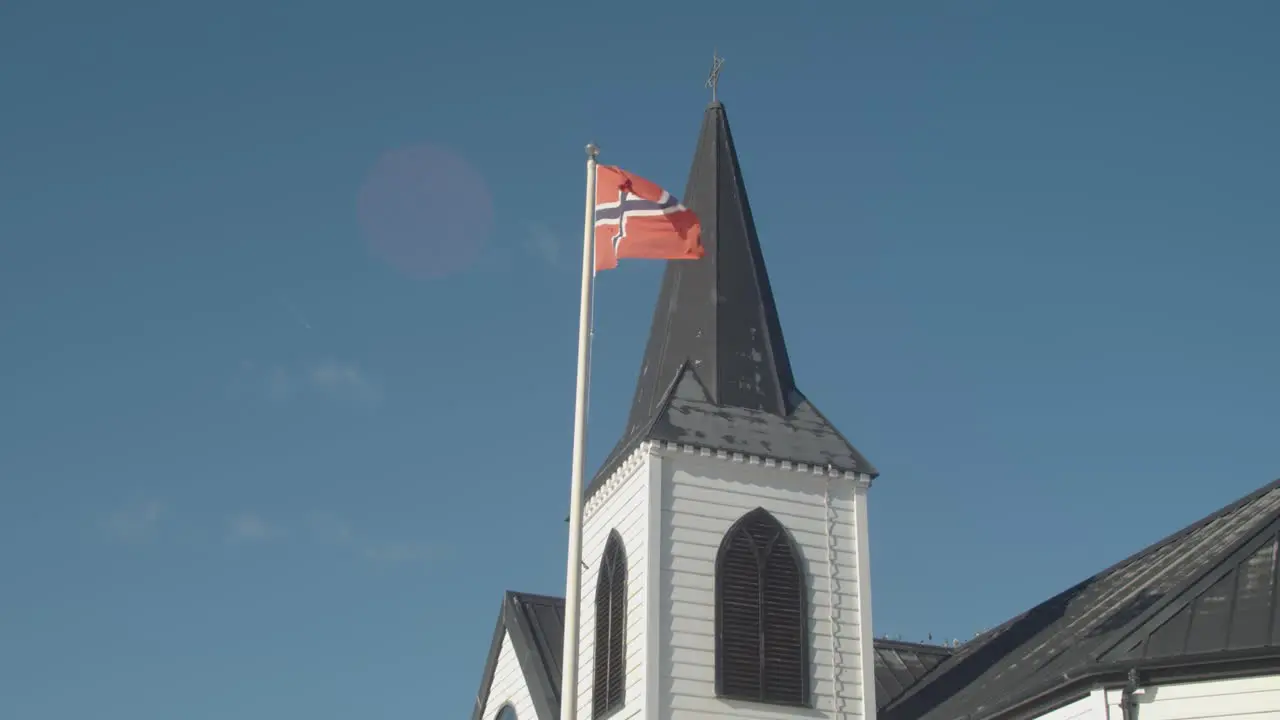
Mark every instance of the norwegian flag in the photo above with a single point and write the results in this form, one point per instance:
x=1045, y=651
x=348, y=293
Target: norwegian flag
x=635, y=218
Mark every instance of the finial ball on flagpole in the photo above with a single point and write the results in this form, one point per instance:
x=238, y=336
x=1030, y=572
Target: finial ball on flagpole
x=592, y=150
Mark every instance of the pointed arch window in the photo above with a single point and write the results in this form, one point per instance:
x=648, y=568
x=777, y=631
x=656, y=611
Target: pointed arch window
x=506, y=713
x=762, y=628
x=609, y=685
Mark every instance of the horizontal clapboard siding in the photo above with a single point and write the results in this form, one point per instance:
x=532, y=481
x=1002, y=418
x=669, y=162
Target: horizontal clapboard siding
x=1086, y=708
x=701, y=498
x=1243, y=699
x=626, y=511
x=509, y=686
x=1256, y=698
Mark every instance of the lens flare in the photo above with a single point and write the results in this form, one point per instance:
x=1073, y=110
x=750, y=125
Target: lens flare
x=426, y=211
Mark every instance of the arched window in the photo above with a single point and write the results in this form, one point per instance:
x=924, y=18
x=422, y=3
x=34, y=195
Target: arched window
x=506, y=713
x=762, y=628
x=609, y=687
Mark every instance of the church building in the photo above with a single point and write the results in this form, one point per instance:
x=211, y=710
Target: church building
x=727, y=563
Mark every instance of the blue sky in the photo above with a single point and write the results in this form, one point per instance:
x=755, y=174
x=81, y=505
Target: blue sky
x=270, y=447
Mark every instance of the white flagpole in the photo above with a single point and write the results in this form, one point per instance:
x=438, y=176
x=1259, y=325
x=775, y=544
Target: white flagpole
x=573, y=574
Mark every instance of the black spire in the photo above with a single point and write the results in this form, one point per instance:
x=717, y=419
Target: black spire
x=717, y=314
x=716, y=372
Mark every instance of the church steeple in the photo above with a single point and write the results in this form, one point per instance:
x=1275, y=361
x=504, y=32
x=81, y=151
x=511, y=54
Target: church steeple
x=717, y=315
x=716, y=373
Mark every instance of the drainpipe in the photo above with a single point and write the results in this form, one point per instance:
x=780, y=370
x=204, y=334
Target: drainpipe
x=1128, y=703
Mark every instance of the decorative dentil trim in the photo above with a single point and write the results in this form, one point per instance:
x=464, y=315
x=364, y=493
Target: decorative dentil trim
x=648, y=448
x=624, y=470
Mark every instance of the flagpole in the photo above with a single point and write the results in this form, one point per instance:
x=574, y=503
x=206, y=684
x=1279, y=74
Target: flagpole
x=573, y=572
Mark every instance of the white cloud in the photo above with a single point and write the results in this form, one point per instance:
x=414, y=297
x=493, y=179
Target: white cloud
x=250, y=527
x=397, y=553
x=331, y=530
x=135, y=522
x=334, y=531
x=141, y=521
x=280, y=385
x=344, y=381
x=341, y=382
x=543, y=244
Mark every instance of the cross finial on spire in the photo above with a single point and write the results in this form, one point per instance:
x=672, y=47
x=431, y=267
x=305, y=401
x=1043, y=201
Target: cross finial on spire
x=714, y=78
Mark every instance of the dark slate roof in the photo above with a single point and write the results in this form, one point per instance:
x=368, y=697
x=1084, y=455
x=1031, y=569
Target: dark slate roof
x=1206, y=594
x=536, y=626
x=900, y=665
x=716, y=373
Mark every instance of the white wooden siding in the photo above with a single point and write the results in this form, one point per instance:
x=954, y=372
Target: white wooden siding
x=509, y=685
x=1245, y=699
x=1241, y=699
x=624, y=510
x=1083, y=709
x=863, y=560
x=701, y=498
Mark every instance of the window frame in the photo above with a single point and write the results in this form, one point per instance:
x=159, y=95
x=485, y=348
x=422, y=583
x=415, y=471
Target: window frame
x=806, y=644
x=613, y=560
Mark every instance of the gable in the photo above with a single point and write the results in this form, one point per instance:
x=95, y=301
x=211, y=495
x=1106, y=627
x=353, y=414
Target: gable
x=524, y=661
x=1233, y=607
x=509, y=686
x=1121, y=614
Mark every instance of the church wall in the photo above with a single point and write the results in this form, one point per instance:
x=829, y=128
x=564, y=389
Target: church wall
x=1243, y=699
x=620, y=505
x=1255, y=698
x=1086, y=708
x=701, y=497
x=509, y=686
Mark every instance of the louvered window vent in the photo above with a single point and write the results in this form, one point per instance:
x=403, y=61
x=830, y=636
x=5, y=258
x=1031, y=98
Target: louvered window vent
x=761, y=618
x=609, y=686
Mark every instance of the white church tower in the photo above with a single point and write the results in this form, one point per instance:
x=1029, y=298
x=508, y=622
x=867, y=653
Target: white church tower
x=725, y=538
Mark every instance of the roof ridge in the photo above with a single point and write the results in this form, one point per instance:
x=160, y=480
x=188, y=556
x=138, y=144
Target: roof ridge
x=802, y=399
x=543, y=685
x=979, y=643
x=534, y=596
x=1181, y=594
x=620, y=452
x=912, y=645
x=513, y=626
x=1181, y=532
x=1178, y=534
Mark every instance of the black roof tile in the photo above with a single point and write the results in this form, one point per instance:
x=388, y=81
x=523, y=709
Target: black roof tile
x=900, y=665
x=1209, y=588
x=1233, y=607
